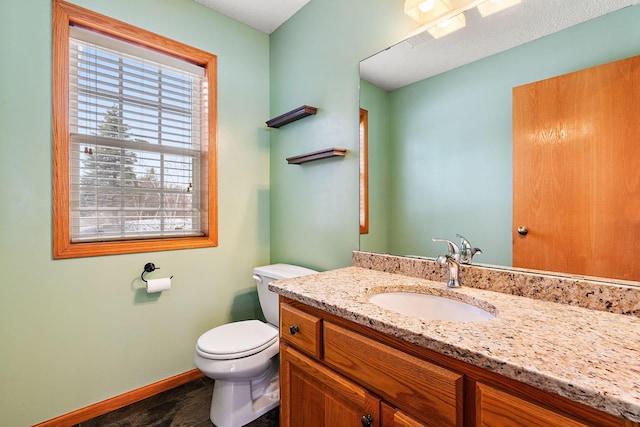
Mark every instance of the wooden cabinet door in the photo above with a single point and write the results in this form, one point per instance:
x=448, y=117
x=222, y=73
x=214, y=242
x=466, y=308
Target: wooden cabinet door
x=576, y=180
x=393, y=417
x=314, y=396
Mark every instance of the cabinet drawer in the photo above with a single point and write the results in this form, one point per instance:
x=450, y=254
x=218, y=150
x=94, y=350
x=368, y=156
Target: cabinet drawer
x=426, y=391
x=498, y=408
x=392, y=417
x=301, y=330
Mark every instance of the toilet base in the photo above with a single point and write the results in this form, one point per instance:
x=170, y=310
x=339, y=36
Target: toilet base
x=236, y=403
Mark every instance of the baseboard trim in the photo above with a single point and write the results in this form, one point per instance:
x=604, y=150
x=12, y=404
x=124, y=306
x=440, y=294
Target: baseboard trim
x=120, y=401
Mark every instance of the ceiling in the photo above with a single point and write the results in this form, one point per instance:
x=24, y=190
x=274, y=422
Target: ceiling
x=263, y=15
x=420, y=56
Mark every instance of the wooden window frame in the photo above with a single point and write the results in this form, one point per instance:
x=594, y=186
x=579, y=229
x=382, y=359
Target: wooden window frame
x=364, y=171
x=64, y=15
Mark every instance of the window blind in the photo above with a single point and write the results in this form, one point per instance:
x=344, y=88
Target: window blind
x=135, y=120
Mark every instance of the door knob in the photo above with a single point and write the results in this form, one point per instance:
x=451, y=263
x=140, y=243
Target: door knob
x=367, y=420
x=523, y=230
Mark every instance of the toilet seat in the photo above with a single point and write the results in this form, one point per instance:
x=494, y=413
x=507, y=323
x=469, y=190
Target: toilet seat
x=236, y=340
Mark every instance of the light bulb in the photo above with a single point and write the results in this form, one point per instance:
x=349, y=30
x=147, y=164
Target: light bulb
x=448, y=26
x=427, y=5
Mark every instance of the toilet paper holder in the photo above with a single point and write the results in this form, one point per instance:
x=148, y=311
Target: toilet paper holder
x=148, y=268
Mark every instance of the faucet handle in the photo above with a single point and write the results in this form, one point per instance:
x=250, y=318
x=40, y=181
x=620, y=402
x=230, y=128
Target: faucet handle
x=464, y=243
x=467, y=251
x=454, y=251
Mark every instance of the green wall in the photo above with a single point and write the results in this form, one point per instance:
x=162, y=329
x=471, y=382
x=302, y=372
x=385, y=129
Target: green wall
x=450, y=135
x=314, y=60
x=75, y=332
x=377, y=102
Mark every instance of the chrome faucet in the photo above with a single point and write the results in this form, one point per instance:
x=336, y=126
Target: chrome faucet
x=452, y=259
x=456, y=256
x=466, y=250
x=454, y=251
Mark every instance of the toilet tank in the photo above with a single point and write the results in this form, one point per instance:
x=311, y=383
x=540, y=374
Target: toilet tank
x=269, y=273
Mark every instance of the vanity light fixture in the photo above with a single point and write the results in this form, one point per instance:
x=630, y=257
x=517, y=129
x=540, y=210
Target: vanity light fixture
x=427, y=11
x=492, y=6
x=448, y=26
x=442, y=17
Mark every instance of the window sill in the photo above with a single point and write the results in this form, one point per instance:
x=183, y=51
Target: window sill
x=79, y=250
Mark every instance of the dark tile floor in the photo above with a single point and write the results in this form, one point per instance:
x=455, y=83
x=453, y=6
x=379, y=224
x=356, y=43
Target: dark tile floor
x=184, y=406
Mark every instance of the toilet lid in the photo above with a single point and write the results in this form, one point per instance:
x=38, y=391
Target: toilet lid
x=237, y=339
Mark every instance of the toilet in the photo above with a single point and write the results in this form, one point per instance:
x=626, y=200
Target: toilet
x=242, y=357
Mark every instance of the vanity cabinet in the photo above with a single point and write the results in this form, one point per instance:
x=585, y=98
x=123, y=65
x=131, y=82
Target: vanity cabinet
x=332, y=376
x=338, y=373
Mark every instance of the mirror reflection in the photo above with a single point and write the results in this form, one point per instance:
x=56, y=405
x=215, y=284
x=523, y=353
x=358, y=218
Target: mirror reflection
x=440, y=149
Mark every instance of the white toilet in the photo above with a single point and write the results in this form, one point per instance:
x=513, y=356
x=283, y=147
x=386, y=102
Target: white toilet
x=242, y=356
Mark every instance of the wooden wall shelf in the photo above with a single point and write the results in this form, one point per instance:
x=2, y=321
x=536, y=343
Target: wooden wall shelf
x=317, y=155
x=291, y=116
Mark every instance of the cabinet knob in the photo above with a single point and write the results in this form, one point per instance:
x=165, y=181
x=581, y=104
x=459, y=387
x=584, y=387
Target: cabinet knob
x=293, y=329
x=367, y=420
x=523, y=230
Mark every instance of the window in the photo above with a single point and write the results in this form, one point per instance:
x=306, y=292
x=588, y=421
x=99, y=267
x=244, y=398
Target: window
x=133, y=141
x=364, y=171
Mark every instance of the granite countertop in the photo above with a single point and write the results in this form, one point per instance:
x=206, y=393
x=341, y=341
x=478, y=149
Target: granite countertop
x=588, y=356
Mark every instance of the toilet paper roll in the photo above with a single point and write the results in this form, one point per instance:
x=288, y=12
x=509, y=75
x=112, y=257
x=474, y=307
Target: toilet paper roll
x=158, y=285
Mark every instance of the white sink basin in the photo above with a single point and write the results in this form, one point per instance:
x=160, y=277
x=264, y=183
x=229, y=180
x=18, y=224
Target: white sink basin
x=430, y=307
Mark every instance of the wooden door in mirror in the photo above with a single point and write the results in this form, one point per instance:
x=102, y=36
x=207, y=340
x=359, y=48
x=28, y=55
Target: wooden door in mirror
x=574, y=186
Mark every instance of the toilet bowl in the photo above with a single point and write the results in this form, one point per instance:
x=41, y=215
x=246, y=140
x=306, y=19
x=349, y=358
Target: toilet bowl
x=242, y=357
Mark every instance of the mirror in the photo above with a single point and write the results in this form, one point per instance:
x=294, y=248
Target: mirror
x=439, y=140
